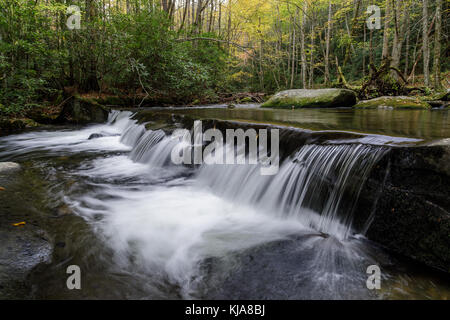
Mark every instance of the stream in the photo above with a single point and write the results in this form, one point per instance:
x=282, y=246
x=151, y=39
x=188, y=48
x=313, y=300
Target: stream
x=141, y=227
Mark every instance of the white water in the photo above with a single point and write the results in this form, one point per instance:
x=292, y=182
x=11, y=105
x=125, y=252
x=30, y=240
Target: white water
x=171, y=218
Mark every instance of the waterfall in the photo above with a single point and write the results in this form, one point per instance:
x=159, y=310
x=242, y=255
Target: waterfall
x=319, y=185
x=310, y=185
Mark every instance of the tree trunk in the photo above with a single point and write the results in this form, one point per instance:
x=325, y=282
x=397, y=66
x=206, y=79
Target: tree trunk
x=425, y=45
x=437, y=46
x=302, y=46
x=327, y=44
x=387, y=18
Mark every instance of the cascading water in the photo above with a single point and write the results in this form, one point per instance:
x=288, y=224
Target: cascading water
x=309, y=186
x=164, y=221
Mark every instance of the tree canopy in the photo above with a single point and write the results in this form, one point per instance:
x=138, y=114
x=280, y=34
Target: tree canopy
x=199, y=49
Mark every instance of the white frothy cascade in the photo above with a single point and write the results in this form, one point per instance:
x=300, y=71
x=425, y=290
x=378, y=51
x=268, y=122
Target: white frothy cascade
x=310, y=185
x=164, y=219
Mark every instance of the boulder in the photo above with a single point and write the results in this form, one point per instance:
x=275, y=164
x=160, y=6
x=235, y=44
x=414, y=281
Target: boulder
x=399, y=102
x=407, y=200
x=314, y=98
x=8, y=167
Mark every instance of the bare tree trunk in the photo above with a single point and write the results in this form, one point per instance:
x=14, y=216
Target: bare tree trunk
x=399, y=32
x=408, y=36
x=327, y=44
x=387, y=18
x=425, y=45
x=302, y=46
x=294, y=56
x=437, y=46
x=261, y=69
x=311, y=61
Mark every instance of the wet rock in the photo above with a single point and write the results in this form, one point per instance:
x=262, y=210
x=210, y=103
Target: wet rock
x=290, y=269
x=439, y=104
x=21, y=250
x=407, y=198
x=95, y=136
x=60, y=244
x=7, y=167
x=314, y=98
x=63, y=210
x=101, y=135
x=399, y=102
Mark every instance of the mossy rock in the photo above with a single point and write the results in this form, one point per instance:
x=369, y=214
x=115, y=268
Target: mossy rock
x=246, y=100
x=399, y=102
x=314, y=98
x=442, y=96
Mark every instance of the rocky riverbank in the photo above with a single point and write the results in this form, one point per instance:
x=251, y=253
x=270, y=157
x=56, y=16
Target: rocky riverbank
x=25, y=243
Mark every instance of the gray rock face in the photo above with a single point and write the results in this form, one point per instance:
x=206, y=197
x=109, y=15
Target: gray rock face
x=407, y=197
x=21, y=250
x=6, y=167
x=314, y=98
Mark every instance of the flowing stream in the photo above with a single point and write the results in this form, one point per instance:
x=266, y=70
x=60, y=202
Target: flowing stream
x=142, y=227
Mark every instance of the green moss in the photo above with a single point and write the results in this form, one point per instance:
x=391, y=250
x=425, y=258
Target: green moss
x=393, y=103
x=442, y=96
x=246, y=100
x=319, y=98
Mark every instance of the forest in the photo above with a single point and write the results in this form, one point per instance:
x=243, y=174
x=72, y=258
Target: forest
x=202, y=51
x=224, y=149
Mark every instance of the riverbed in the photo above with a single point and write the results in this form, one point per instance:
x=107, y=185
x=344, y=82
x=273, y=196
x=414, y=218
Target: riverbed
x=140, y=227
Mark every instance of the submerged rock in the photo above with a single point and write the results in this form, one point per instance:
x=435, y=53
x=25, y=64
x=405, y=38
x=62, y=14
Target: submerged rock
x=314, y=98
x=101, y=135
x=95, y=136
x=8, y=167
x=21, y=251
x=399, y=102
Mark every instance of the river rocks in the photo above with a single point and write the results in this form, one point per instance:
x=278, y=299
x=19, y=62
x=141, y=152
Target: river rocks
x=81, y=111
x=408, y=198
x=101, y=135
x=314, y=98
x=399, y=102
x=6, y=167
x=95, y=136
x=21, y=250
